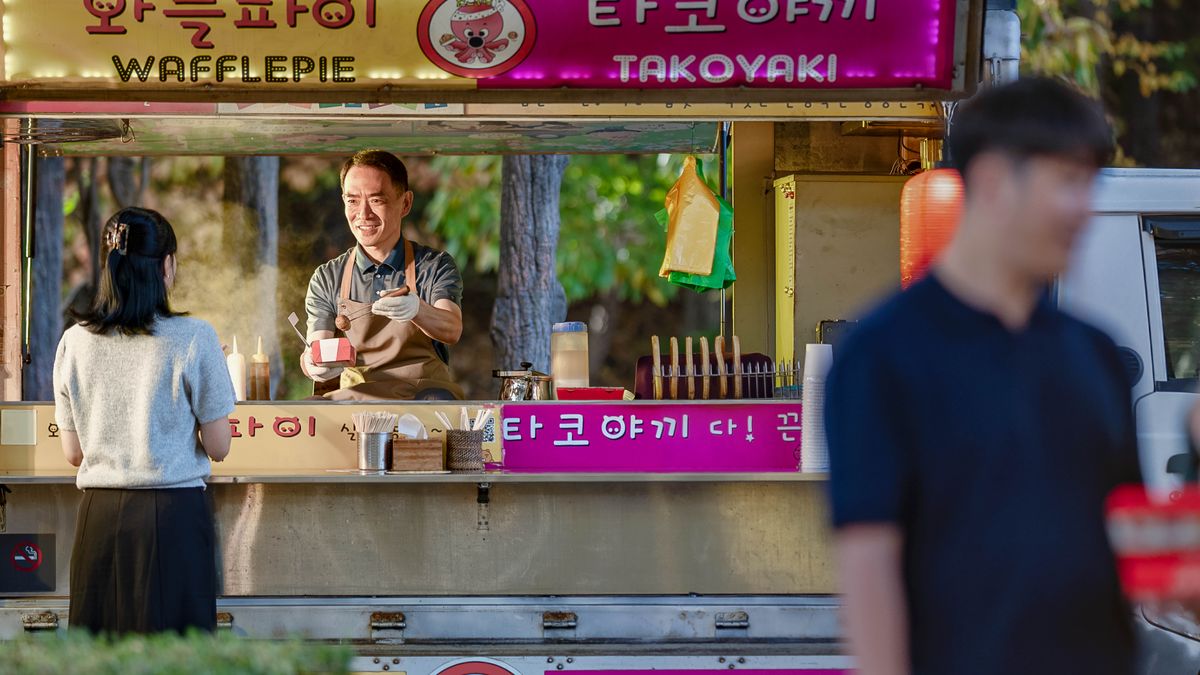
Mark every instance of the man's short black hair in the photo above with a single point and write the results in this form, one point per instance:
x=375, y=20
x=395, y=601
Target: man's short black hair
x=382, y=160
x=1030, y=118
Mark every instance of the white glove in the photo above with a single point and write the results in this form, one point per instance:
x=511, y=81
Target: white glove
x=319, y=373
x=397, y=307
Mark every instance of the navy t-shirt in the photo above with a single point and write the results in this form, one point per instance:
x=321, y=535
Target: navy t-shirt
x=993, y=452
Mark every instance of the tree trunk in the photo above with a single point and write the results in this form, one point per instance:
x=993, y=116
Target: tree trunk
x=93, y=222
x=128, y=178
x=529, y=297
x=602, y=328
x=46, y=320
x=251, y=240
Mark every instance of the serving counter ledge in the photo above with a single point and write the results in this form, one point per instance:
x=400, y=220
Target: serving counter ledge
x=351, y=476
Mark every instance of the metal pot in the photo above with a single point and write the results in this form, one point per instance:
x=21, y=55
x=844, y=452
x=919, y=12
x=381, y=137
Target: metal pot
x=523, y=385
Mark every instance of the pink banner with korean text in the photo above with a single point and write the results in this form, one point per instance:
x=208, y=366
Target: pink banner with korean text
x=706, y=44
x=650, y=437
x=780, y=671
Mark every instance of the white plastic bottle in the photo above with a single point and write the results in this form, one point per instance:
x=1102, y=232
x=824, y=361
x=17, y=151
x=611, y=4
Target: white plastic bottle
x=237, y=371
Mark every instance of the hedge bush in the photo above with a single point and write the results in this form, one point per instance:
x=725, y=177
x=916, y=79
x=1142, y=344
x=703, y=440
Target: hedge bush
x=168, y=654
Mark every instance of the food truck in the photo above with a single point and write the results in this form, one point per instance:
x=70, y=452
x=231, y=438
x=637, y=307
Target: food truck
x=676, y=535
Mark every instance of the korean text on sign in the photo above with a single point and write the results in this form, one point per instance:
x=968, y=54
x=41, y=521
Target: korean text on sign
x=198, y=15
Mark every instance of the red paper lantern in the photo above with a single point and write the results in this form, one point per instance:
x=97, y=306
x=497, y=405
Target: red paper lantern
x=930, y=206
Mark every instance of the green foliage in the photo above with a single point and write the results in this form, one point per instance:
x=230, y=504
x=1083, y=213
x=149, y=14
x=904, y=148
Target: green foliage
x=465, y=209
x=70, y=202
x=169, y=654
x=1081, y=40
x=609, y=242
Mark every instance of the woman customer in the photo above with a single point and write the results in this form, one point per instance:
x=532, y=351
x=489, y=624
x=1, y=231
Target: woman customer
x=142, y=398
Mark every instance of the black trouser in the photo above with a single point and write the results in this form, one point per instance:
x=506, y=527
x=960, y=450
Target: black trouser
x=144, y=562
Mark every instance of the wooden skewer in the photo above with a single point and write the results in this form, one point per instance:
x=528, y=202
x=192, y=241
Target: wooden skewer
x=737, y=367
x=719, y=347
x=657, y=355
x=691, y=368
x=674, y=368
x=704, y=368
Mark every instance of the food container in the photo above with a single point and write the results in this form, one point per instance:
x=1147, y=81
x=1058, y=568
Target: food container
x=1156, y=538
x=333, y=352
x=591, y=394
x=523, y=385
x=569, y=354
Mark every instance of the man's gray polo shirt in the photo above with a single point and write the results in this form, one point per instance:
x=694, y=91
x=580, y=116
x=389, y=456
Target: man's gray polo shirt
x=437, y=279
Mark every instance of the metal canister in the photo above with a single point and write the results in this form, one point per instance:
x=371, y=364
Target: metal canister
x=523, y=385
x=374, y=450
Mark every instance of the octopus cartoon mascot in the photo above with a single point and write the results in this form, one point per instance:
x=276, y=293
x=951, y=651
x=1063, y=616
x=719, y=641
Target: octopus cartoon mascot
x=478, y=28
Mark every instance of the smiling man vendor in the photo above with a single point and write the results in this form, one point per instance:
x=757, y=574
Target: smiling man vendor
x=401, y=337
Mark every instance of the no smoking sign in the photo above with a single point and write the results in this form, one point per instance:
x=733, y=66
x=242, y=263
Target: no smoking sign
x=30, y=567
x=26, y=557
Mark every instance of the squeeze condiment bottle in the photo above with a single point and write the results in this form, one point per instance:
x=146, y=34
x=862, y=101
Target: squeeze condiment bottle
x=260, y=375
x=237, y=371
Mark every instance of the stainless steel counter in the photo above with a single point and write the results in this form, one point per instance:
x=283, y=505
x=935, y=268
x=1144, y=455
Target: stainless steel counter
x=421, y=635
x=534, y=572
x=343, y=534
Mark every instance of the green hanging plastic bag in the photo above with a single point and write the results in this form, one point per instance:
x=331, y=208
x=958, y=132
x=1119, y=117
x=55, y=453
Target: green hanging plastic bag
x=689, y=238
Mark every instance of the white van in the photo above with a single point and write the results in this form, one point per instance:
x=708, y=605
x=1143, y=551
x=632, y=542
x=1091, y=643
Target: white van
x=1137, y=275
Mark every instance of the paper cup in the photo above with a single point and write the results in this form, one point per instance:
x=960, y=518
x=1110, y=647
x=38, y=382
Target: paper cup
x=818, y=359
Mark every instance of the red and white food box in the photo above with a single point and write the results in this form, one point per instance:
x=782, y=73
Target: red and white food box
x=333, y=352
x=1156, y=537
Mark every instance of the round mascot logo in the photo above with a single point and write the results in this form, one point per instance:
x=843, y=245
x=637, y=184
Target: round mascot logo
x=478, y=666
x=476, y=38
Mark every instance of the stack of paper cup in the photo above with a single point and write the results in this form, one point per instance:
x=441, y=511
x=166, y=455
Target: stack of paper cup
x=814, y=451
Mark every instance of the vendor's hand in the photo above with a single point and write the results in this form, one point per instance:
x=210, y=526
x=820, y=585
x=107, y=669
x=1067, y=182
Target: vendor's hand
x=397, y=307
x=319, y=373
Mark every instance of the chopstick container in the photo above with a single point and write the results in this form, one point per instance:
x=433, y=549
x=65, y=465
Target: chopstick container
x=464, y=450
x=374, y=450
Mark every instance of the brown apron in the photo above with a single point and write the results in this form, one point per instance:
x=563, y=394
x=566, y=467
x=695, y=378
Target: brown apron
x=395, y=359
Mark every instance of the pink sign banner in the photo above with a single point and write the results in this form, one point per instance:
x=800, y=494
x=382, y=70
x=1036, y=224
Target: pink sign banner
x=781, y=671
x=628, y=437
x=694, y=44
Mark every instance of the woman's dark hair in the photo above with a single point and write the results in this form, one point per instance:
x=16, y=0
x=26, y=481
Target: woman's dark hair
x=1033, y=117
x=132, y=293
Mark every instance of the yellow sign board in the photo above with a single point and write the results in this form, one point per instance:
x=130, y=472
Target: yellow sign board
x=256, y=43
x=289, y=438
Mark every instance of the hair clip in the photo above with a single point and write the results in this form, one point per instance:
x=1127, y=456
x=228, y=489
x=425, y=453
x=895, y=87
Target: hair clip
x=117, y=238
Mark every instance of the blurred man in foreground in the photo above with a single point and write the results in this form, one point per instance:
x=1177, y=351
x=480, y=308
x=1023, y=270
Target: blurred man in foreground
x=974, y=430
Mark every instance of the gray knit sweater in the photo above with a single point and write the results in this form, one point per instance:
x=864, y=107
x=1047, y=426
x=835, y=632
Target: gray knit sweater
x=137, y=402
